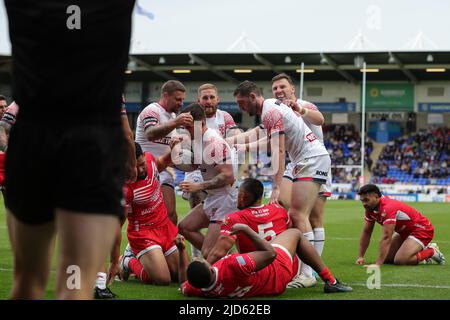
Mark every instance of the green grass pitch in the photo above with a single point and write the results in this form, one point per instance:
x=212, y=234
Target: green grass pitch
x=343, y=222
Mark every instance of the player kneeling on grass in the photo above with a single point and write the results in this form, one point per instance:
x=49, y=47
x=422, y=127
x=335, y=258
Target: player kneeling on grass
x=406, y=232
x=263, y=272
x=152, y=254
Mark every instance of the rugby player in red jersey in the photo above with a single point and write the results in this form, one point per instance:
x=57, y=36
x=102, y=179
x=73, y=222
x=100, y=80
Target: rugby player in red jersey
x=263, y=272
x=406, y=234
x=267, y=220
x=154, y=256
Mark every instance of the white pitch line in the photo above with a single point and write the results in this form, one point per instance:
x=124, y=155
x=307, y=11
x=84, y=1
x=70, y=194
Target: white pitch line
x=402, y=285
x=357, y=239
x=11, y=270
x=392, y=285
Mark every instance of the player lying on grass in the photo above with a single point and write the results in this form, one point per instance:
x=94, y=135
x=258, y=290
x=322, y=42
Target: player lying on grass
x=406, y=233
x=267, y=220
x=263, y=272
x=152, y=254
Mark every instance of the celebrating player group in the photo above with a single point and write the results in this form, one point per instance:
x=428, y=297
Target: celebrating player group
x=249, y=248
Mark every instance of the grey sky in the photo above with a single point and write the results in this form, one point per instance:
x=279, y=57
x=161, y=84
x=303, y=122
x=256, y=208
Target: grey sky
x=196, y=26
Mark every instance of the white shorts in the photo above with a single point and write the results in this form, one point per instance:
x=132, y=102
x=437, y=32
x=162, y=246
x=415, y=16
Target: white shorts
x=312, y=169
x=325, y=189
x=193, y=176
x=218, y=206
x=166, y=178
x=288, y=171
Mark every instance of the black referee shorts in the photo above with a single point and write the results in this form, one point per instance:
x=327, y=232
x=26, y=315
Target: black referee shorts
x=77, y=168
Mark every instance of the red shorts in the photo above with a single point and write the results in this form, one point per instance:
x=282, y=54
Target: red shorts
x=145, y=240
x=422, y=236
x=281, y=271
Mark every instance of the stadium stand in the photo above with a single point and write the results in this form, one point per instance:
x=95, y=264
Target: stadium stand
x=343, y=143
x=419, y=158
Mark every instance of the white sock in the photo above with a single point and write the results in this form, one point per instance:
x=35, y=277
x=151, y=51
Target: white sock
x=101, y=280
x=307, y=270
x=196, y=253
x=319, y=240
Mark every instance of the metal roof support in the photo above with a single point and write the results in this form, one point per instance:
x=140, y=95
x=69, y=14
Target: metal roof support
x=211, y=68
x=265, y=62
x=343, y=73
x=162, y=74
x=407, y=73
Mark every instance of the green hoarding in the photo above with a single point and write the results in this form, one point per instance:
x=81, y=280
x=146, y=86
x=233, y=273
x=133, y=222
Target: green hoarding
x=389, y=97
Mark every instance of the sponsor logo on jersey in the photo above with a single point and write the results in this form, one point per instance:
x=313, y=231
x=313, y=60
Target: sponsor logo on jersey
x=311, y=137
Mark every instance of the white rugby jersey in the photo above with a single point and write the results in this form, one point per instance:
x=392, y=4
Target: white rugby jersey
x=317, y=130
x=221, y=122
x=154, y=114
x=215, y=151
x=300, y=141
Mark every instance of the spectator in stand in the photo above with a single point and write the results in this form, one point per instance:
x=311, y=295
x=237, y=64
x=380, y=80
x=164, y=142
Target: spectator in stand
x=422, y=156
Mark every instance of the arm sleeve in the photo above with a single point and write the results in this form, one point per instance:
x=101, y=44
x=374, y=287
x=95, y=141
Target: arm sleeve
x=229, y=121
x=242, y=265
x=367, y=217
x=390, y=217
x=150, y=117
x=128, y=194
x=188, y=290
x=273, y=122
x=227, y=226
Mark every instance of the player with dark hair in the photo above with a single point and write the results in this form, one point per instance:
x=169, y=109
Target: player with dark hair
x=152, y=255
x=406, y=233
x=215, y=159
x=283, y=89
x=263, y=272
x=286, y=131
x=216, y=119
x=156, y=125
x=267, y=220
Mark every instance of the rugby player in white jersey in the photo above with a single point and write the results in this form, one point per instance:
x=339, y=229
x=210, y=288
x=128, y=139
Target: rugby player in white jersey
x=215, y=159
x=283, y=89
x=156, y=125
x=216, y=119
x=288, y=132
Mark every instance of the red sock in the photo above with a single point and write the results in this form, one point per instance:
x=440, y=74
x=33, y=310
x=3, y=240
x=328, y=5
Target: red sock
x=138, y=269
x=326, y=276
x=424, y=254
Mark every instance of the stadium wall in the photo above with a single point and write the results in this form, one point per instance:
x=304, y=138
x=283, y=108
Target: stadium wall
x=402, y=192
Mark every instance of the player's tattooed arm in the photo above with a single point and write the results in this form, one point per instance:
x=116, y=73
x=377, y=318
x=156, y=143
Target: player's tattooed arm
x=224, y=178
x=161, y=130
